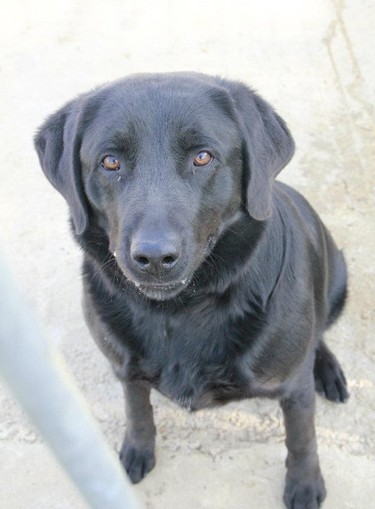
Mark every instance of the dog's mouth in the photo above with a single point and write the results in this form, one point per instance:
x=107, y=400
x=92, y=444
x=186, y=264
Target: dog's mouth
x=162, y=292
x=159, y=290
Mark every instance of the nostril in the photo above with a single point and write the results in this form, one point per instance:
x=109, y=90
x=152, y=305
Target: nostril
x=142, y=261
x=169, y=260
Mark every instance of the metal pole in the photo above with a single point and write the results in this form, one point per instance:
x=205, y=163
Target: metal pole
x=36, y=377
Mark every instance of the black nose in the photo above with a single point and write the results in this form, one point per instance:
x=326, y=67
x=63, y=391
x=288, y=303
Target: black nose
x=155, y=257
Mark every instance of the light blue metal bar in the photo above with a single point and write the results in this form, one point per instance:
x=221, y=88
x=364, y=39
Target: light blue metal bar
x=36, y=377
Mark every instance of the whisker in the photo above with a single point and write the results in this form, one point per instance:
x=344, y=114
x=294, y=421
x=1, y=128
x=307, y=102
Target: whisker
x=182, y=303
x=212, y=266
x=104, y=264
x=218, y=257
x=228, y=229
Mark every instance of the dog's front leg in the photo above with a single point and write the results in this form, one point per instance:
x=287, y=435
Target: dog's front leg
x=304, y=483
x=138, y=449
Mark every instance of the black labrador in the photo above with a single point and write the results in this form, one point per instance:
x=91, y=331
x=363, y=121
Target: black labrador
x=203, y=277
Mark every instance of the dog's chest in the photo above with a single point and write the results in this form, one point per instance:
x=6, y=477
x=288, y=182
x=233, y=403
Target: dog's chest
x=195, y=368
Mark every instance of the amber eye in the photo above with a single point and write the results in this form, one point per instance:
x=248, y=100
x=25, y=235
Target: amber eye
x=203, y=158
x=110, y=163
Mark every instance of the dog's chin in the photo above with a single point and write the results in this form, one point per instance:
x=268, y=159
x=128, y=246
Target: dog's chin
x=162, y=292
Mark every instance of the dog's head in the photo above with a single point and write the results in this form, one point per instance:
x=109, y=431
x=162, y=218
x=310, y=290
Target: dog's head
x=164, y=164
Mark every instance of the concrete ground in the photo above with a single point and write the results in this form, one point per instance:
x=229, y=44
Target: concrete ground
x=313, y=60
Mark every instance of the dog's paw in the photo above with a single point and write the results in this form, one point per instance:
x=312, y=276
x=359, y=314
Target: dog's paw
x=137, y=462
x=304, y=494
x=330, y=380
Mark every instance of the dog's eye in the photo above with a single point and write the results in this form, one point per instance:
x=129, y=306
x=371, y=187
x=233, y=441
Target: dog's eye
x=203, y=158
x=110, y=163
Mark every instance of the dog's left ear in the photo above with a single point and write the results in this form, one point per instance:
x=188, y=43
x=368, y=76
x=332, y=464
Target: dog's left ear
x=268, y=147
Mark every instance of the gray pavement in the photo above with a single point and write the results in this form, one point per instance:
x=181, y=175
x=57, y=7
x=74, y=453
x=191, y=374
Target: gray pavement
x=313, y=60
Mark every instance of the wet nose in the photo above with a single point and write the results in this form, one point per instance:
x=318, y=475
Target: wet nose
x=155, y=257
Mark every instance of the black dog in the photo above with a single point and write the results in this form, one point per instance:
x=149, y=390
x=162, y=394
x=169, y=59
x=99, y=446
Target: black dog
x=203, y=278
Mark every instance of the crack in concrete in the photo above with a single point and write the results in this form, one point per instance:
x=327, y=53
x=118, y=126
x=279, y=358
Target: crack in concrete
x=339, y=22
x=360, y=128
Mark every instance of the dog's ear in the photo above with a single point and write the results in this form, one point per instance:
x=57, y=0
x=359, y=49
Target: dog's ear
x=268, y=147
x=57, y=143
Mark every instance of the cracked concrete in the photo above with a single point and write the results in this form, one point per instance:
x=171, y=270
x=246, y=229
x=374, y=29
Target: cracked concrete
x=313, y=60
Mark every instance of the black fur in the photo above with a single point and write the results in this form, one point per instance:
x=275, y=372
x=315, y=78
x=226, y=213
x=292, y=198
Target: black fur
x=207, y=283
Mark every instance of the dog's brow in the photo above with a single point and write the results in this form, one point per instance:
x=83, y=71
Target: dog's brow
x=124, y=141
x=192, y=137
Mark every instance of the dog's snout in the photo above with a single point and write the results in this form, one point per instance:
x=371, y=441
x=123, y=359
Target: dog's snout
x=157, y=257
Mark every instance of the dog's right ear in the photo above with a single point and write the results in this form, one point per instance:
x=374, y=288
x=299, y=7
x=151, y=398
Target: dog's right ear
x=57, y=143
